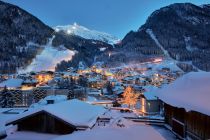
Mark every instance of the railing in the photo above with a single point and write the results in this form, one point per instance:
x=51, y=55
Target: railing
x=193, y=136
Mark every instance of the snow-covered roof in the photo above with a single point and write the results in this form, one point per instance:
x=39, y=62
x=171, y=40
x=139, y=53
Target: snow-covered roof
x=90, y=99
x=150, y=95
x=55, y=98
x=94, y=92
x=71, y=74
x=135, y=132
x=150, y=88
x=74, y=112
x=102, y=102
x=117, y=88
x=11, y=83
x=119, y=92
x=191, y=91
x=94, y=79
x=30, y=81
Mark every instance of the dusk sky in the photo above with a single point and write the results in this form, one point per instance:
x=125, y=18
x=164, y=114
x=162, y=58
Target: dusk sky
x=116, y=17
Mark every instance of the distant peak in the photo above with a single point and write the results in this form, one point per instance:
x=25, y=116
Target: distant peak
x=76, y=29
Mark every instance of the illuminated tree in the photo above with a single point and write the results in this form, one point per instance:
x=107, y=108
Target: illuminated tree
x=129, y=97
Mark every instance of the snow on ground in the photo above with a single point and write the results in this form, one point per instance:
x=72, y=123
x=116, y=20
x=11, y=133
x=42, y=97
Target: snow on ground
x=24, y=135
x=191, y=91
x=86, y=33
x=188, y=47
x=165, y=63
x=135, y=132
x=117, y=129
x=48, y=58
x=167, y=134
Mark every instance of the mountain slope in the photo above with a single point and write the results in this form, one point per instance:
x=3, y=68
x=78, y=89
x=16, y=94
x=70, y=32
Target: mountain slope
x=86, y=33
x=87, y=49
x=182, y=29
x=19, y=28
x=48, y=58
x=25, y=46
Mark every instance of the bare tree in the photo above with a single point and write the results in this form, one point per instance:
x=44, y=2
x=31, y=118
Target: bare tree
x=129, y=97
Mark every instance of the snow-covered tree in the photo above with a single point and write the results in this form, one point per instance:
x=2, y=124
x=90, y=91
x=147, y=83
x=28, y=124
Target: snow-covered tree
x=6, y=99
x=129, y=97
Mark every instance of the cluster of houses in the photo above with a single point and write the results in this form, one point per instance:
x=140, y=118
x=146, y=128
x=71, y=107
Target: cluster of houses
x=183, y=100
x=96, y=81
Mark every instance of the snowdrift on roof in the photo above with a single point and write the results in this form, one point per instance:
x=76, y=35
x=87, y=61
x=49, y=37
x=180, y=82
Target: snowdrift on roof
x=191, y=92
x=75, y=112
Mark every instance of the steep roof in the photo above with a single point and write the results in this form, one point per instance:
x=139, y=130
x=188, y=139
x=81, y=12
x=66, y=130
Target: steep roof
x=191, y=92
x=74, y=112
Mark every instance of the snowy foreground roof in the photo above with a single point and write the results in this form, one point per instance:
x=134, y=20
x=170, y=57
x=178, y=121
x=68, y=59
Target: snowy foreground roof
x=11, y=83
x=191, y=92
x=74, y=112
x=138, y=132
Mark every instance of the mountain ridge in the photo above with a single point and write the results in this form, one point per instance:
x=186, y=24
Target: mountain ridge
x=23, y=37
x=179, y=31
x=86, y=33
x=182, y=29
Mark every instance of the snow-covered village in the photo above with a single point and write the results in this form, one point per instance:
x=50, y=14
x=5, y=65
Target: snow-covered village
x=69, y=82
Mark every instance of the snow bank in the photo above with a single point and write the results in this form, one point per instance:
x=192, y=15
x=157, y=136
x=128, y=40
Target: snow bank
x=138, y=132
x=27, y=135
x=192, y=92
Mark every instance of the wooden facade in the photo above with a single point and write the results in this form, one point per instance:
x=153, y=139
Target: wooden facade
x=191, y=124
x=43, y=122
x=148, y=107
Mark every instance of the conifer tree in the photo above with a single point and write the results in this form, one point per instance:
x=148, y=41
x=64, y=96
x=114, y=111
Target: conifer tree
x=6, y=99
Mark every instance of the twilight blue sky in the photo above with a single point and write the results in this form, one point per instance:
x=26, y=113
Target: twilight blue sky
x=116, y=17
